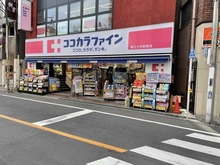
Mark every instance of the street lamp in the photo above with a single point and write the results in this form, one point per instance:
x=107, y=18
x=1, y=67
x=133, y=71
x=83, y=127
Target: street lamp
x=3, y=9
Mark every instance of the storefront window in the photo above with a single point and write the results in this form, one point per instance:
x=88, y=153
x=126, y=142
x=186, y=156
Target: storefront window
x=40, y=16
x=75, y=9
x=51, y=15
x=62, y=28
x=62, y=12
x=89, y=7
x=104, y=21
x=75, y=26
x=105, y=5
x=51, y=29
x=88, y=24
x=41, y=31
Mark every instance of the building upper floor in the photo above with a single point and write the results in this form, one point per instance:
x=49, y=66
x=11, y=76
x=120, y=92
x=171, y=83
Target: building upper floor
x=63, y=17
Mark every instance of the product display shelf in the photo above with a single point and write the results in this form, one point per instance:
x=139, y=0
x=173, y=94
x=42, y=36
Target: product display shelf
x=42, y=86
x=35, y=87
x=108, y=91
x=31, y=85
x=121, y=90
x=54, y=84
x=162, y=97
x=149, y=96
x=137, y=96
x=90, y=85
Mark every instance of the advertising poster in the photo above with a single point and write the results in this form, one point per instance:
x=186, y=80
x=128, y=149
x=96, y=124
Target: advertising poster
x=165, y=78
x=77, y=85
x=152, y=77
x=141, y=76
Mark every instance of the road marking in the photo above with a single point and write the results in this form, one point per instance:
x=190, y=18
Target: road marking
x=64, y=134
x=193, y=147
x=62, y=118
x=204, y=137
x=109, y=161
x=45, y=102
x=167, y=157
x=122, y=116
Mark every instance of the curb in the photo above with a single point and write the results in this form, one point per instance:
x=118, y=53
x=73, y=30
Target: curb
x=68, y=98
x=128, y=108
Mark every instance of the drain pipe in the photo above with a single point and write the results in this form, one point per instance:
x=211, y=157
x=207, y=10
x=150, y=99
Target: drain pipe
x=191, y=59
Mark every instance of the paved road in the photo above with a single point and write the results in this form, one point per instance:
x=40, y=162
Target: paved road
x=46, y=131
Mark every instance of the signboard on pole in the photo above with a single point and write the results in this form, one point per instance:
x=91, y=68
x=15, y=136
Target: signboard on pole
x=192, y=53
x=24, y=15
x=11, y=8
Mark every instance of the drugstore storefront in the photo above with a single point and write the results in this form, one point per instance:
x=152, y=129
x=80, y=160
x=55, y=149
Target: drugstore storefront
x=120, y=52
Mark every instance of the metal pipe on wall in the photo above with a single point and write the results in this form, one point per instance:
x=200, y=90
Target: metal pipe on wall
x=190, y=60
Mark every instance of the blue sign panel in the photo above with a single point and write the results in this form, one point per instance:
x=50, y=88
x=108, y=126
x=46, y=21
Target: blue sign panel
x=192, y=53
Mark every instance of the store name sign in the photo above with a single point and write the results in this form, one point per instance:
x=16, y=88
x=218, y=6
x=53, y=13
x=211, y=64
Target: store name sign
x=138, y=40
x=207, y=37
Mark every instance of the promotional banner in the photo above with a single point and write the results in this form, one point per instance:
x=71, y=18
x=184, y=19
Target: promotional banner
x=156, y=38
x=24, y=15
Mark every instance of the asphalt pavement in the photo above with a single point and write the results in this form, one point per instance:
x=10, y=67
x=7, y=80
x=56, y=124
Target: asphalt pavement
x=37, y=130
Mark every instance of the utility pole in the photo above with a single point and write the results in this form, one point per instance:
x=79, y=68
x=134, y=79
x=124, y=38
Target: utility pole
x=4, y=10
x=213, y=66
x=191, y=58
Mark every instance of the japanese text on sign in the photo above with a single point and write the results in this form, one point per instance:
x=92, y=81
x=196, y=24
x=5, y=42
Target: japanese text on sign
x=25, y=11
x=92, y=41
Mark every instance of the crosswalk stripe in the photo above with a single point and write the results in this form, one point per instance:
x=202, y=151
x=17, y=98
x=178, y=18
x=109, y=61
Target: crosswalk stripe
x=193, y=146
x=63, y=117
x=167, y=157
x=204, y=137
x=109, y=161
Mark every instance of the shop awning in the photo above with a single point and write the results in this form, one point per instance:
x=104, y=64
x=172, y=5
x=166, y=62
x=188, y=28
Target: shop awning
x=125, y=59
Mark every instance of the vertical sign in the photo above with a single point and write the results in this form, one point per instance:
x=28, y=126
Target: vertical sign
x=210, y=94
x=24, y=15
x=11, y=8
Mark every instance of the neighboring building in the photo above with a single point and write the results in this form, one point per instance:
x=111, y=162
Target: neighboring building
x=203, y=39
x=16, y=48
x=204, y=15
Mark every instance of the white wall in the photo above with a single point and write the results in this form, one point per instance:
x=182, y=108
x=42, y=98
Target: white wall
x=202, y=76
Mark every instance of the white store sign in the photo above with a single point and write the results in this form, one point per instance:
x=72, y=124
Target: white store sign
x=138, y=40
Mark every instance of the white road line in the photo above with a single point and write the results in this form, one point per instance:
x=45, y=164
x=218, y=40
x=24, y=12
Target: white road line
x=62, y=118
x=122, y=116
x=193, y=147
x=109, y=161
x=204, y=137
x=167, y=157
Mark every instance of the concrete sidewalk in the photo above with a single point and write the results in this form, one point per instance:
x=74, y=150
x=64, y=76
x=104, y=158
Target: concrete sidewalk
x=113, y=103
x=216, y=120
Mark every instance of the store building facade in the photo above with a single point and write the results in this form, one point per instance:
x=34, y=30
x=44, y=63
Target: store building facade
x=86, y=34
